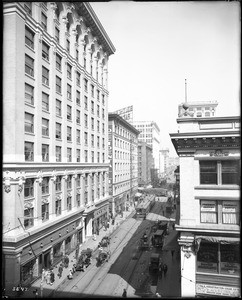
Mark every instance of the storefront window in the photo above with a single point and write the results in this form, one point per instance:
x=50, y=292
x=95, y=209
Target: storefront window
x=27, y=272
x=57, y=252
x=218, y=258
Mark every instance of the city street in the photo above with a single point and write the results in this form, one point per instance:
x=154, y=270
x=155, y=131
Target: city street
x=127, y=268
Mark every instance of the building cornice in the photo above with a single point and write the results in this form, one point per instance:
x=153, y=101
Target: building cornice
x=112, y=116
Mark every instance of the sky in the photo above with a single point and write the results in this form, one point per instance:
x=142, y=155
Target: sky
x=159, y=45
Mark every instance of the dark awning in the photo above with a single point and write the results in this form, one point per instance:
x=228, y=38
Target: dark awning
x=218, y=239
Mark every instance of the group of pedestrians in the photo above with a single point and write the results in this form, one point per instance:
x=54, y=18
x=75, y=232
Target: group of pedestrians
x=48, y=276
x=162, y=268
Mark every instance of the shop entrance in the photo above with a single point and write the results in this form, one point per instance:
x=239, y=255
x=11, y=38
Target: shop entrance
x=47, y=260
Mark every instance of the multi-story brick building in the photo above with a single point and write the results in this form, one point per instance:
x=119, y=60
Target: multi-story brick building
x=209, y=222
x=123, y=155
x=145, y=163
x=55, y=133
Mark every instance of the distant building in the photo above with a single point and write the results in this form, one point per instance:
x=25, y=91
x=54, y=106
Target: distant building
x=55, y=134
x=163, y=160
x=198, y=109
x=123, y=156
x=209, y=224
x=145, y=163
x=150, y=134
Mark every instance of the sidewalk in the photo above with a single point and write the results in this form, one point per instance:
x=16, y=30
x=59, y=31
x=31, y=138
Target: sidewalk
x=48, y=290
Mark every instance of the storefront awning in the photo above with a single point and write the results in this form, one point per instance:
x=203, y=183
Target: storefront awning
x=218, y=239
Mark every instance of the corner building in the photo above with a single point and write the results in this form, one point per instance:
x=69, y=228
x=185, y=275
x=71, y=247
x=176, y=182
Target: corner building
x=55, y=133
x=123, y=155
x=209, y=224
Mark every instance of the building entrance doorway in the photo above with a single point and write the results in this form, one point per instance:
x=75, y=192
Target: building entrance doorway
x=47, y=260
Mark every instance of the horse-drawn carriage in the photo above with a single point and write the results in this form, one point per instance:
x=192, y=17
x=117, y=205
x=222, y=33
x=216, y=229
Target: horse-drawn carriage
x=144, y=243
x=103, y=256
x=105, y=241
x=158, y=238
x=84, y=260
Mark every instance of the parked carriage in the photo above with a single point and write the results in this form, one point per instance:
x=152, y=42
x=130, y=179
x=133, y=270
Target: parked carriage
x=143, y=209
x=144, y=243
x=158, y=238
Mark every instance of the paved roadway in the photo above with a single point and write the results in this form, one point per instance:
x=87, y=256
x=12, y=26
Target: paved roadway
x=127, y=268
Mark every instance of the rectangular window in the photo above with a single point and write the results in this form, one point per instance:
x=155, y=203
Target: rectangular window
x=45, y=152
x=103, y=158
x=45, y=76
x=68, y=133
x=57, y=34
x=29, y=37
x=58, y=207
x=230, y=172
x=98, y=126
x=78, y=98
x=29, y=151
x=103, y=114
x=92, y=156
x=29, y=65
x=209, y=212
x=45, y=211
x=98, y=95
x=29, y=123
x=68, y=46
x=86, y=155
x=68, y=205
x=45, y=127
x=78, y=117
x=220, y=172
x=28, y=217
x=58, y=107
x=78, y=155
x=78, y=200
x=68, y=92
x=69, y=157
x=103, y=128
x=85, y=63
x=86, y=138
x=85, y=102
x=98, y=157
x=58, y=62
x=28, y=8
x=45, y=186
x=98, y=110
x=77, y=55
x=85, y=85
x=103, y=99
x=98, y=141
x=103, y=143
x=58, y=153
x=92, y=140
x=69, y=115
x=78, y=136
x=44, y=21
x=29, y=188
x=58, y=184
x=78, y=78
x=45, y=102
x=92, y=123
x=58, y=85
x=85, y=120
x=230, y=212
x=92, y=107
x=69, y=182
x=45, y=51
x=208, y=172
x=92, y=90
x=58, y=131
x=69, y=71
x=29, y=94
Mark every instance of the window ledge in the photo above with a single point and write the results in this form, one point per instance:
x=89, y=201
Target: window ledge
x=32, y=49
x=217, y=187
x=32, y=77
x=45, y=85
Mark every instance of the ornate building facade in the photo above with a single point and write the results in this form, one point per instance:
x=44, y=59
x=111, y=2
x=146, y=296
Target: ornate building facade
x=145, y=162
x=55, y=133
x=209, y=222
x=123, y=155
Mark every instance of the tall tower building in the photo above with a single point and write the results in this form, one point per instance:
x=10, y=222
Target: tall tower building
x=55, y=133
x=150, y=134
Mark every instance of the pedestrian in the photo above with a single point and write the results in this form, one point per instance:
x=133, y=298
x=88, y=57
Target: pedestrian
x=173, y=226
x=60, y=270
x=160, y=269
x=165, y=268
x=113, y=221
x=74, y=268
x=52, y=277
x=48, y=277
x=158, y=295
x=108, y=223
x=124, y=293
x=70, y=275
x=172, y=253
x=35, y=292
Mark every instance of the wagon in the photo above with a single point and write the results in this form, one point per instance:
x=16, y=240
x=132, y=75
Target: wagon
x=103, y=256
x=144, y=243
x=154, y=262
